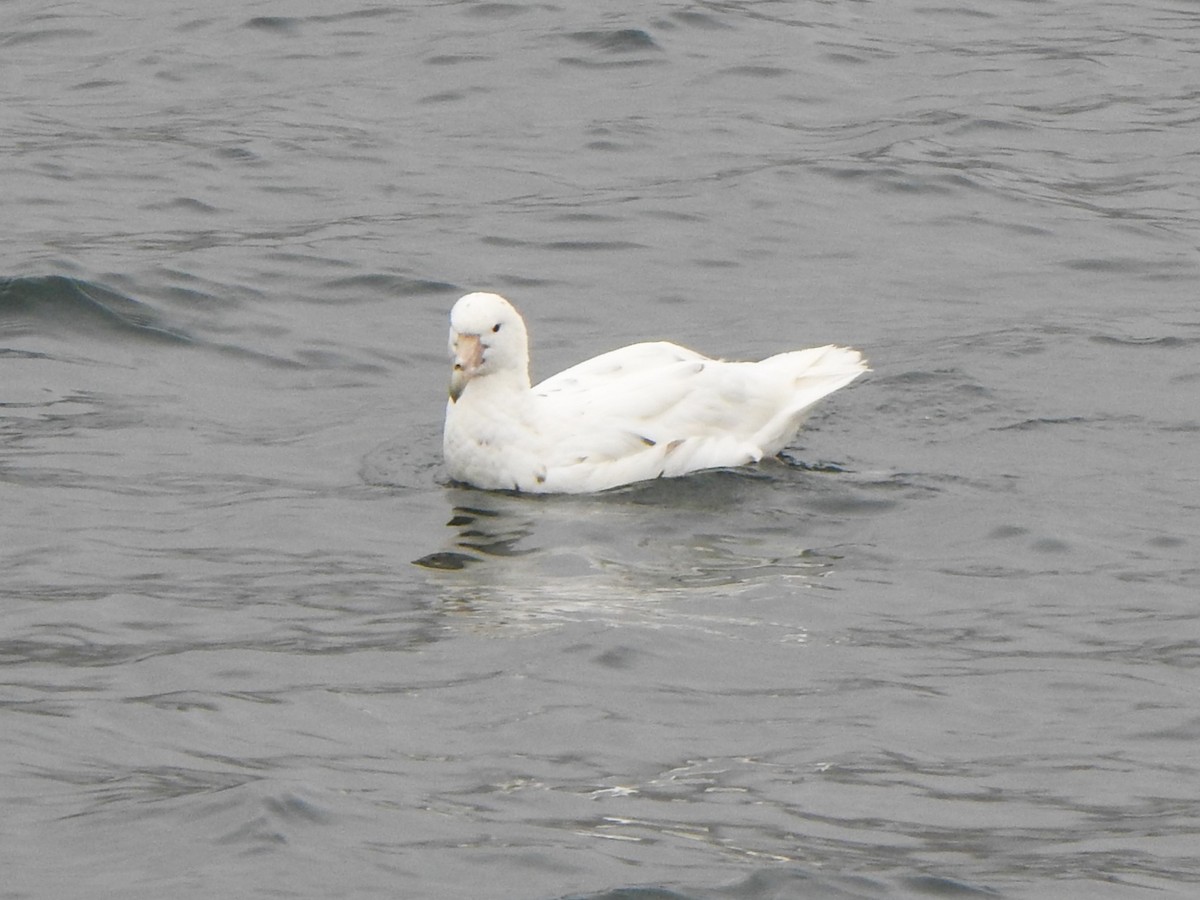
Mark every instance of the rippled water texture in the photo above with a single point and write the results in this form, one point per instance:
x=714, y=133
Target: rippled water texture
x=253, y=642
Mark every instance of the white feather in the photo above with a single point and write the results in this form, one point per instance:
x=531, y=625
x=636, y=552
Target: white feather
x=644, y=411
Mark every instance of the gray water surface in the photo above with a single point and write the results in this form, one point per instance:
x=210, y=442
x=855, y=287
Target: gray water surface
x=253, y=643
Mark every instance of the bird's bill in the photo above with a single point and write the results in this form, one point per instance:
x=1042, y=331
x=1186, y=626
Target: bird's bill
x=468, y=357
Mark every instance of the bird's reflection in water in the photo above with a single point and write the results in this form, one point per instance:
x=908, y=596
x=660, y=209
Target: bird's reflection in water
x=485, y=526
x=721, y=551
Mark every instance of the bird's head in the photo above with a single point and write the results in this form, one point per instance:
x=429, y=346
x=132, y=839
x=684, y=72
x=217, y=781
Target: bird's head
x=487, y=336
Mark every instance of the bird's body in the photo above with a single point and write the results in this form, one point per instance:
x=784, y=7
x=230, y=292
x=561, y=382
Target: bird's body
x=644, y=411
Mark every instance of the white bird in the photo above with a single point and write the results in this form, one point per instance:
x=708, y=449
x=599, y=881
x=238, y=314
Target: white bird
x=644, y=411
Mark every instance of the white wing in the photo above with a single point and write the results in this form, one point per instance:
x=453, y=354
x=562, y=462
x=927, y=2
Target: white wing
x=650, y=410
x=617, y=365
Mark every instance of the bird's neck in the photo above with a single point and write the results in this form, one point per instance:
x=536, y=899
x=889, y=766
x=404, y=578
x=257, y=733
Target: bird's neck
x=504, y=386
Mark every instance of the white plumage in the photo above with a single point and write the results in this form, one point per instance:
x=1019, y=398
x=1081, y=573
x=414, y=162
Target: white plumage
x=644, y=411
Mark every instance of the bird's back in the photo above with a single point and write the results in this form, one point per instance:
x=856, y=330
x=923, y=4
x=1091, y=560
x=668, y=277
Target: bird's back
x=654, y=410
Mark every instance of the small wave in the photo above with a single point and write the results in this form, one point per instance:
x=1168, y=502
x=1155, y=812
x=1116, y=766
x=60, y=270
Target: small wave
x=1165, y=342
x=583, y=246
x=58, y=303
x=1044, y=421
x=392, y=285
x=277, y=24
x=622, y=40
x=624, y=46
x=698, y=19
x=497, y=10
x=750, y=71
x=794, y=881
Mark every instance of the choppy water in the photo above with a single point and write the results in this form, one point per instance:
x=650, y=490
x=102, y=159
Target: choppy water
x=949, y=648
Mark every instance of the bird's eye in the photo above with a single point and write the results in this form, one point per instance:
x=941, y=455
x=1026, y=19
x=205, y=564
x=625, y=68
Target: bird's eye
x=495, y=328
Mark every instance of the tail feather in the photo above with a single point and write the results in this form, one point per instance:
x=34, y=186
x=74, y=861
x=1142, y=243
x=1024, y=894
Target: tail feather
x=814, y=373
